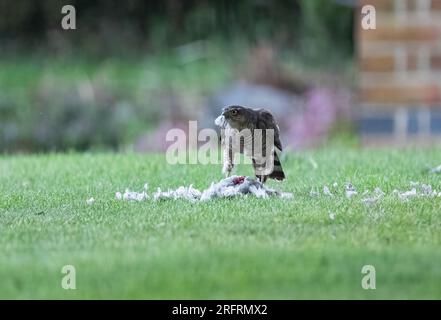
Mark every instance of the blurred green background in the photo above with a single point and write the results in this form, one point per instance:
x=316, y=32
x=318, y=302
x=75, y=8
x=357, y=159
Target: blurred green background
x=133, y=69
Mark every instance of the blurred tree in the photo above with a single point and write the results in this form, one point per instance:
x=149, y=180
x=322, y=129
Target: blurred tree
x=56, y=85
x=105, y=26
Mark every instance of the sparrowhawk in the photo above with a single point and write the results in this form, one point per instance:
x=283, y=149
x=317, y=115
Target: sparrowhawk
x=254, y=133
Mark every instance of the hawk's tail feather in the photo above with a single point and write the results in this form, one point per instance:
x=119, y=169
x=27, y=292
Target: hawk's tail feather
x=277, y=170
x=277, y=173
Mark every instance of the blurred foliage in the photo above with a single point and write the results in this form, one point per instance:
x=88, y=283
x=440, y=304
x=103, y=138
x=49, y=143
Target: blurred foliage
x=132, y=63
x=111, y=27
x=325, y=31
x=46, y=104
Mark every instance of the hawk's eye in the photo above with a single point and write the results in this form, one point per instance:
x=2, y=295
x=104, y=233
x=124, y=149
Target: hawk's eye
x=234, y=112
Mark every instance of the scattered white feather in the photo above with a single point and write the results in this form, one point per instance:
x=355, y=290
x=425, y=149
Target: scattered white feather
x=237, y=185
x=379, y=192
x=436, y=169
x=404, y=196
x=326, y=191
x=229, y=187
x=258, y=192
x=427, y=190
x=314, y=192
x=288, y=195
x=241, y=186
x=350, y=190
x=414, y=184
x=350, y=193
x=132, y=195
x=370, y=201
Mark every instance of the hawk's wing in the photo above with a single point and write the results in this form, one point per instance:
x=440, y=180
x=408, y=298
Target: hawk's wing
x=265, y=120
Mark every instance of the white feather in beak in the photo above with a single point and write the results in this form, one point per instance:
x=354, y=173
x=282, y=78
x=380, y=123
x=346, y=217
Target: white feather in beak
x=220, y=121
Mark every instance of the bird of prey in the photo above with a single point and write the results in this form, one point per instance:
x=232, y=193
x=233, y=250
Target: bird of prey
x=254, y=133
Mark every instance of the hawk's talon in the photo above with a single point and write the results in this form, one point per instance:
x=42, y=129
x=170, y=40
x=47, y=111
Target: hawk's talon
x=228, y=167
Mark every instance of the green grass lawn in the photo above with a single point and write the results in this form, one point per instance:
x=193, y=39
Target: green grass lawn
x=227, y=248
